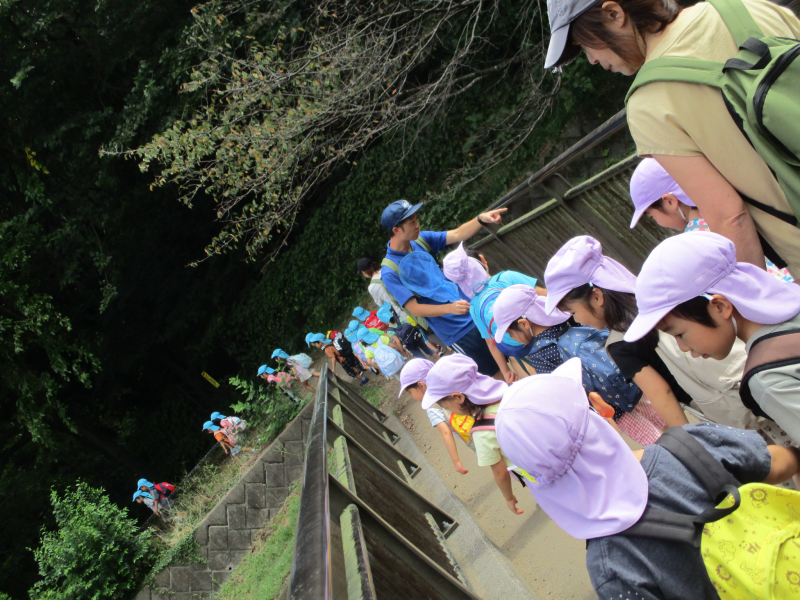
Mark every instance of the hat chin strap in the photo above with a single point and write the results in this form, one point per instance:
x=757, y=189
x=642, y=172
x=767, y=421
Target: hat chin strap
x=683, y=216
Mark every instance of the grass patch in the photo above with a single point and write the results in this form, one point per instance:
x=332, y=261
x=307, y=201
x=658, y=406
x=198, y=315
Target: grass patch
x=262, y=574
x=372, y=393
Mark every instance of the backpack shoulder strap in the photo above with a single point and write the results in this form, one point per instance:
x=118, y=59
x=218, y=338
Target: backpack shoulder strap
x=676, y=68
x=699, y=461
x=777, y=349
x=422, y=242
x=485, y=423
x=737, y=19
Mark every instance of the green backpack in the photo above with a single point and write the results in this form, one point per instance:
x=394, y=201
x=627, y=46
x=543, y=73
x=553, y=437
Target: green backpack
x=761, y=88
x=386, y=262
x=749, y=538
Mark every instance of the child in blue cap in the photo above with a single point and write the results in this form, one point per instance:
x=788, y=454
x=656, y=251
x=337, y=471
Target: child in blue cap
x=300, y=365
x=379, y=353
x=348, y=362
x=154, y=494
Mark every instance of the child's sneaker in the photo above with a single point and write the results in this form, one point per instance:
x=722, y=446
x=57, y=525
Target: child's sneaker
x=364, y=382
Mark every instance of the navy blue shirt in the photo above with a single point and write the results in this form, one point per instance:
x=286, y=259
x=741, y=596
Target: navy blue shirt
x=449, y=328
x=649, y=569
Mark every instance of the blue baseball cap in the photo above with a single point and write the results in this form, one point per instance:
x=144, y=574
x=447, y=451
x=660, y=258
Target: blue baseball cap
x=138, y=493
x=385, y=313
x=309, y=337
x=398, y=211
x=210, y=425
x=280, y=354
x=353, y=325
x=367, y=336
x=216, y=415
x=318, y=337
x=144, y=482
x=360, y=313
x=264, y=369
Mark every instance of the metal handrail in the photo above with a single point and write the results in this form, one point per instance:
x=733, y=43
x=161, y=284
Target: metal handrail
x=311, y=568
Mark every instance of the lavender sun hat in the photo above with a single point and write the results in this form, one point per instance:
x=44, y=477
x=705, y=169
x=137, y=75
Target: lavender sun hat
x=700, y=262
x=464, y=271
x=522, y=301
x=416, y=370
x=581, y=261
x=649, y=183
x=459, y=374
x=585, y=477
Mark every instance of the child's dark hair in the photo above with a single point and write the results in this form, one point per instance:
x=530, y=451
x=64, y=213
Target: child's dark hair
x=619, y=311
x=514, y=325
x=695, y=310
x=476, y=411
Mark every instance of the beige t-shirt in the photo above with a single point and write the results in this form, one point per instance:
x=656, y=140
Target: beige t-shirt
x=686, y=119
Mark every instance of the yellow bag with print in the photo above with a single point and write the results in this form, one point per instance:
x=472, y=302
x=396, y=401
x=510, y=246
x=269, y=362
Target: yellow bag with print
x=749, y=539
x=754, y=552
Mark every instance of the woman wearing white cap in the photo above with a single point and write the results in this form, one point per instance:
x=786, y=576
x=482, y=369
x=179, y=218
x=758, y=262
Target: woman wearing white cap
x=692, y=287
x=456, y=385
x=599, y=292
x=687, y=127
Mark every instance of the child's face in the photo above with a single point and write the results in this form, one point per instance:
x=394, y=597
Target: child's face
x=701, y=341
x=417, y=391
x=144, y=488
x=609, y=60
x=668, y=216
x=139, y=500
x=455, y=404
x=523, y=334
x=264, y=375
x=590, y=314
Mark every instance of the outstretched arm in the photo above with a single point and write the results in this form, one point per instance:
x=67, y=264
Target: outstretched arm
x=470, y=228
x=450, y=444
x=503, y=480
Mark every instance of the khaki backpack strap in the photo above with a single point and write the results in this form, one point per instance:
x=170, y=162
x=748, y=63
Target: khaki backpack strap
x=774, y=350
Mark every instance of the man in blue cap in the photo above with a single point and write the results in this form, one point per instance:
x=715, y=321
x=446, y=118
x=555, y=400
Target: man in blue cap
x=450, y=321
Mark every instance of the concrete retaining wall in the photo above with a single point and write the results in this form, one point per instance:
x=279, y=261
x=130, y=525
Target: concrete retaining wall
x=226, y=534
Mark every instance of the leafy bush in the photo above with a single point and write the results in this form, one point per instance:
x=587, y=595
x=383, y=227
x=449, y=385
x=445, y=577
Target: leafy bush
x=261, y=405
x=96, y=552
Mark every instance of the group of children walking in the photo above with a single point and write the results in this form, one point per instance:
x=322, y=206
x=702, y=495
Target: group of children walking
x=226, y=430
x=598, y=352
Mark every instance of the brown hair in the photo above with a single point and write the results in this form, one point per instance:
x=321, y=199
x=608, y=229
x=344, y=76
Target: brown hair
x=476, y=411
x=619, y=311
x=646, y=16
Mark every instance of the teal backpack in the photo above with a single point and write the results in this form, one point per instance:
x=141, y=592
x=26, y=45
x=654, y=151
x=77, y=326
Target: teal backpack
x=761, y=88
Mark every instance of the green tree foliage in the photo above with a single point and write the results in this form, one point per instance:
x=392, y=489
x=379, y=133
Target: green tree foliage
x=95, y=552
x=287, y=105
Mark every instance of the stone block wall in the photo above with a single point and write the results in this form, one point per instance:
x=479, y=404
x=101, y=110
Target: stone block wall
x=228, y=531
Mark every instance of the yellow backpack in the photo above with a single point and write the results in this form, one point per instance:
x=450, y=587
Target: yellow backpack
x=749, y=539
